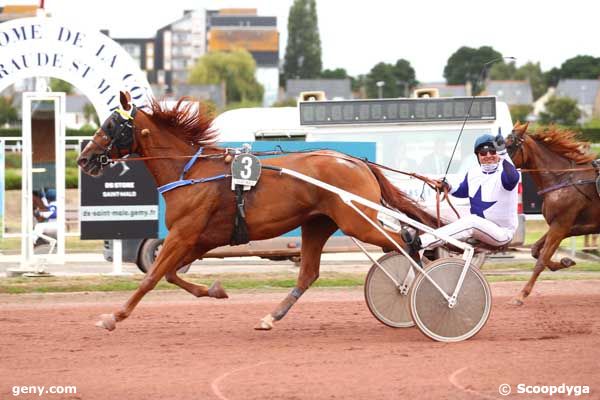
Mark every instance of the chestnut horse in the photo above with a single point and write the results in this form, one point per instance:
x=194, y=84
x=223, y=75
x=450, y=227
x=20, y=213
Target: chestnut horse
x=200, y=217
x=563, y=173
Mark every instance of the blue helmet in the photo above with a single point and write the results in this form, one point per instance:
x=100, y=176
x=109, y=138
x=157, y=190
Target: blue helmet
x=482, y=141
x=51, y=194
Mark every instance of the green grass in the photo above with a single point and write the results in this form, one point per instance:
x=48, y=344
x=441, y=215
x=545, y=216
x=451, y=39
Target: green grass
x=111, y=284
x=254, y=281
x=581, y=266
x=72, y=245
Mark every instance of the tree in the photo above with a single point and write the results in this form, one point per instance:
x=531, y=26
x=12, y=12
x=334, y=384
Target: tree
x=560, y=110
x=552, y=77
x=519, y=112
x=236, y=68
x=581, y=67
x=338, y=73
x=89, y=113
x=501, y=71
x=58, y=85
x=8, y=113
x=532, y=72
x=303, y=50
x=398, y=79
x=466, y=64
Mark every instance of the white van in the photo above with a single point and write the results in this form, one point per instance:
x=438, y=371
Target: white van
x=412, y=135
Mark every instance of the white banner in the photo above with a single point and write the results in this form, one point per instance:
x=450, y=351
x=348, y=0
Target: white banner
x=118, y=213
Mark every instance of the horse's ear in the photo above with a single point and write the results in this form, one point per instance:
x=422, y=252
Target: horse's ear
x=125, y=98
x=520, y=128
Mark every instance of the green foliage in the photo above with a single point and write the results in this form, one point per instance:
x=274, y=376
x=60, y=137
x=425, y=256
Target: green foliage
x=71, y=158
x=236, y=68
x=581, y=67
x=12, y=179
x=591, y=134
x=560, y=110
x=552, y=77
x=208, y=107
x=359, y=84
x=286, y=103
x=86, y=130
x=242, y=104
x=71, y=178
x=593, y=123
x=338, y=73
x=520, y=112
x=12, y=160
x=466, y=64
x=502, y=71
x=531, y=72
x=398, y=79
x=89, y=113
x=8, y=114
x=303, y=50
x=58, y=85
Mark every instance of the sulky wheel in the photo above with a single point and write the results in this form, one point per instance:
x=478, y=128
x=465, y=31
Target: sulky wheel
x=430, y=311
x=385, y=300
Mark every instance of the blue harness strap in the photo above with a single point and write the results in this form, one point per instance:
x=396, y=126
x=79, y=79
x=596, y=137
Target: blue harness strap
x=190, y=163
x=185, y=182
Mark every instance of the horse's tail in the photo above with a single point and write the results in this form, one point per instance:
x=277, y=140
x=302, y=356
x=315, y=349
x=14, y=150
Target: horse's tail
x=400, y=200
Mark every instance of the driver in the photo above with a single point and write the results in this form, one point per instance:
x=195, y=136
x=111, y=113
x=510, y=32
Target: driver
x=492, y=190
x=47, y=229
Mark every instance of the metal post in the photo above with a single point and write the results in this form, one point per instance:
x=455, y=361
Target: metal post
x=117, y=258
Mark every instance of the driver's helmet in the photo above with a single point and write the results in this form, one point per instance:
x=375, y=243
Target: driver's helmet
x=51, y=195
x=484, y=142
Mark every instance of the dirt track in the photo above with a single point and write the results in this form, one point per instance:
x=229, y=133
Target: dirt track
x=328, y=347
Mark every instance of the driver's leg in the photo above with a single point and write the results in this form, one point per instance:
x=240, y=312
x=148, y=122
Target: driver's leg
x=471, y=226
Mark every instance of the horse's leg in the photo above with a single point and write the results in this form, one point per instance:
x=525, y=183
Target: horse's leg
x=537, y=246
x=215, y=290
x=174, y=250
x=314, y=235
x=553, y=238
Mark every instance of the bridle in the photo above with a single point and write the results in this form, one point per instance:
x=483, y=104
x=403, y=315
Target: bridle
x=118, y=128
x=516, y=144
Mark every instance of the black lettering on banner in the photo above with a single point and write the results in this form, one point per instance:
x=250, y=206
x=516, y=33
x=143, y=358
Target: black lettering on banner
x=39, y=58
x=102, y=85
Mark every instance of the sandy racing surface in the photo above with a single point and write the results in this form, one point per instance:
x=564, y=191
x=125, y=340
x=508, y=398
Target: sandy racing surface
x=329, y=347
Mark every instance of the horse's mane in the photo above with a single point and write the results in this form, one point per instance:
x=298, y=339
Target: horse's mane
x=565, y=143
x=188, y=122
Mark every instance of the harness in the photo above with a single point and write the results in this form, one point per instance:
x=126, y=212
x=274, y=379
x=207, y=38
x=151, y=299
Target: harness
x=517, y=145
x=119, y=128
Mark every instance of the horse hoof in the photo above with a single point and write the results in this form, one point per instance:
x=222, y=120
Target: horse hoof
x=516, y=302
x=567, y=262
x=265, y=324
x=107, y=321
x=216, y=290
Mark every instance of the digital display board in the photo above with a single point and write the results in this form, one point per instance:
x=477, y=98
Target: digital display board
x=397, y=110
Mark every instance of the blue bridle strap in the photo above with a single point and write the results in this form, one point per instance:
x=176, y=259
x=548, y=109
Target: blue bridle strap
x=190, y=163
x=186, y=182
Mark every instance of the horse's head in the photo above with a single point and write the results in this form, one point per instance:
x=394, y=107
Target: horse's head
x=114, y=139
x=515, y=144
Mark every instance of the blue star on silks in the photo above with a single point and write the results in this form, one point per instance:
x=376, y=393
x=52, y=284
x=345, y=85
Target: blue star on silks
x=478, y=206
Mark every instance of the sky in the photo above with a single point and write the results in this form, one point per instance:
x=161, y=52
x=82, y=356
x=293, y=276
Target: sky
x=356, y=35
